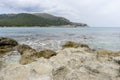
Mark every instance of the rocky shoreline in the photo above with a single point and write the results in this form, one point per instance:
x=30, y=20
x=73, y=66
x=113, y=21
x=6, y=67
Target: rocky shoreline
x=74, y=61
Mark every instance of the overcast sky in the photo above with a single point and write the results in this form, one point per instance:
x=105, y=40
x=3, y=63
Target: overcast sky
x=96, y=13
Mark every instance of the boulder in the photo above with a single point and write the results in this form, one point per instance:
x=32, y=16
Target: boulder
x=46, y=53
x=7, y=44
x=27, y=59
x=84, y=45
x=7, y=41
x=28, y=54
x=69, y=44
x=23, y=49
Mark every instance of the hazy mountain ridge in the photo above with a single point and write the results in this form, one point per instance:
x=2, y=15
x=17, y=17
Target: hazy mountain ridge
x=35, y=19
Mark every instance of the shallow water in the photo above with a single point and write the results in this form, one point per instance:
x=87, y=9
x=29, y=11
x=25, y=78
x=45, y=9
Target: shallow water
x=53, y=38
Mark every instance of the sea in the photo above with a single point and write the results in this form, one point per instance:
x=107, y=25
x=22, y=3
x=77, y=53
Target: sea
x=54, y=37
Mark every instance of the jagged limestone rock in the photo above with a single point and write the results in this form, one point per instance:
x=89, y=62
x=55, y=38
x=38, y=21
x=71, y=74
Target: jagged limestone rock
x=68, y=64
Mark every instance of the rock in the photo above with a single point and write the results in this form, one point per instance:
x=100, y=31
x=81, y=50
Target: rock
x=74, y=45
x=70, y=44
x=68, y=64
x=27, y=59
x=22, y=49
x=7, y=44
x=15, y=72
x=28, y=54
x=116, y=54
x=5, y=49
x=60, y=73
x=2, y=64
x=84, y=45
x=104, y=52
x=117, y=61
x=47, y=53
x=92, y=70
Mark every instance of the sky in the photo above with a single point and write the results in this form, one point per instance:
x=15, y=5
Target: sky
x=95, y=13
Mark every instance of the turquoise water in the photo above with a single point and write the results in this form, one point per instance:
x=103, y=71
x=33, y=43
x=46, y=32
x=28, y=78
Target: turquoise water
x=95, y=37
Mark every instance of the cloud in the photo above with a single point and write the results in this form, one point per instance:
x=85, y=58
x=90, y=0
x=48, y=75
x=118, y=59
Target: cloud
x=93, y=12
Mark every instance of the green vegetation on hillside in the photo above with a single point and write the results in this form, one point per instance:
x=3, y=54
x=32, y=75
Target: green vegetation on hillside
x=36, y=19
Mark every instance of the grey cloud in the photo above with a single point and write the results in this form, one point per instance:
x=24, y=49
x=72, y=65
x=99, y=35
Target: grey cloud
x=93, y=12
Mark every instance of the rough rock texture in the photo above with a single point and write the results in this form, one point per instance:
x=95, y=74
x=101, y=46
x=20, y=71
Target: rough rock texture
x=22, y=48
x=2, y=64
x=47, y=53
x=7, y=44
x=104, y=52
x=68, y=64
x=28, y=54
x=117, y=54
x=69, y=44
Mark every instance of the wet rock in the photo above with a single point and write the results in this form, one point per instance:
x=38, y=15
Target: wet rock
x=84, y=45
x=25, y=59
x=28, y=54
x=74, y=45
x=116, y=54
x=22, y=49
x=71, y=44
x=5, y=49
x=7, y=44
x=47, y=53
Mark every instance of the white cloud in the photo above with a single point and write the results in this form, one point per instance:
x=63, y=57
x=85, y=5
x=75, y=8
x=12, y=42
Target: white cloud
x=93, y=12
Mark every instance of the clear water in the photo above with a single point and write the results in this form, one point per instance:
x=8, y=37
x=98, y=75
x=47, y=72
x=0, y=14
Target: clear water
x=53, y=38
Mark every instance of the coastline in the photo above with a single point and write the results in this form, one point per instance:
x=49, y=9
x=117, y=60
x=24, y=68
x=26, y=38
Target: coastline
x=61, y=26
x=79, y=63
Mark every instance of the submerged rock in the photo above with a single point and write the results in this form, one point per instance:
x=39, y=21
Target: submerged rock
x=69, y=44
x=7, y=44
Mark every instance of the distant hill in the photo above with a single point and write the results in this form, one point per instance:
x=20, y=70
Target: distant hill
x=36, y=19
